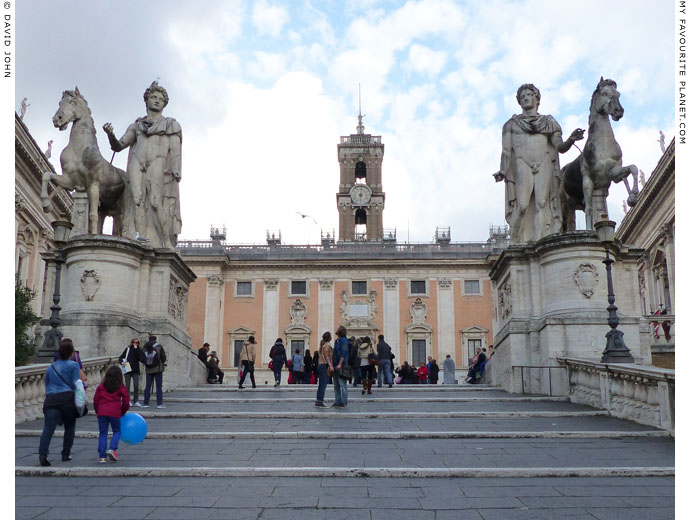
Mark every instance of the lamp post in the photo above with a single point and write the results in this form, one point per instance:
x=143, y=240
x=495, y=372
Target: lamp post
x=51, y=341
x=616, y=350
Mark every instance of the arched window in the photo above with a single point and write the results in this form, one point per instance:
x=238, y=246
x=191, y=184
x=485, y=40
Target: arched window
x=360, y=173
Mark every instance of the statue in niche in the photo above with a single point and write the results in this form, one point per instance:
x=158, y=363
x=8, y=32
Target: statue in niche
x=531, y=170
x=154, y=169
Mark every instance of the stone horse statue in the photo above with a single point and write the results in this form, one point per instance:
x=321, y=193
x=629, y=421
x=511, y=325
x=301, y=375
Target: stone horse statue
x=85, y=169
x=587, y=179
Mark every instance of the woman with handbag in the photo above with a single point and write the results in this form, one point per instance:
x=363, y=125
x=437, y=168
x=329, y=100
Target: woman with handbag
x=248, y=358
x=324, y=358
x=58, y=406
x=367, y=361
x=129, y=362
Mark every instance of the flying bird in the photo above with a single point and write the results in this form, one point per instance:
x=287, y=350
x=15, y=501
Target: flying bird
x=305, y=216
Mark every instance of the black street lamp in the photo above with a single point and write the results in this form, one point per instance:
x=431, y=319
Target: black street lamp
x=51, y=341
x=616, y=350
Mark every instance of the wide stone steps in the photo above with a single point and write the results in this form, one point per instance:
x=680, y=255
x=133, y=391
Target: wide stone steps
x=451, y=436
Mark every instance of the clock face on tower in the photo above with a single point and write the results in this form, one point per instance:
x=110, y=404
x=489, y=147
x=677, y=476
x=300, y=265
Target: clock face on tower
x=360, y=194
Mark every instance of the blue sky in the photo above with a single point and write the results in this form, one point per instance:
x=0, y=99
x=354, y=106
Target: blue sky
x=264, y=90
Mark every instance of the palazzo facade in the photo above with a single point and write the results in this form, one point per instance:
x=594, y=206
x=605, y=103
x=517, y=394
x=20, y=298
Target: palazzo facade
x=430, y=299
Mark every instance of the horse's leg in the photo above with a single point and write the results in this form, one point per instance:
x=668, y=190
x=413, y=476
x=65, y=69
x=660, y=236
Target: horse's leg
x=93, y=193
x=588, y=190
x=63, y=181
x=619, y=173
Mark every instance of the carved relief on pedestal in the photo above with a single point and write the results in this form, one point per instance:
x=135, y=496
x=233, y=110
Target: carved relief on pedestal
x=271, y=284
x=586, y=279
x=359, y=313
x=177, y=300
x=390, y=283
x=445, y=283
x=215, y=280
x=90, y=282
x=298, y=311
x=326, y=283
x=418, y=311
x=505, y=299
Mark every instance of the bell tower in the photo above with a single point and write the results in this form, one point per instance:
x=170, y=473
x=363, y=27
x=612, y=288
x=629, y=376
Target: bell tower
x=360, y=196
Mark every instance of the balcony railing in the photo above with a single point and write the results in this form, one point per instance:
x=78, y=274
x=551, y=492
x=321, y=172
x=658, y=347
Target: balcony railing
x=662, y=328
x=360, y=140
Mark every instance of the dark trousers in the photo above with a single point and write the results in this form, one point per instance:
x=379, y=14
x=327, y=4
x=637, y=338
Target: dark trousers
x=323, y=382
x=150, y=378
x=51, y=417
x=129, y=376
x=247, y=369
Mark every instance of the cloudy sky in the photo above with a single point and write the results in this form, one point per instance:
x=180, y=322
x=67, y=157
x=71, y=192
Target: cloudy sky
x=264, y=90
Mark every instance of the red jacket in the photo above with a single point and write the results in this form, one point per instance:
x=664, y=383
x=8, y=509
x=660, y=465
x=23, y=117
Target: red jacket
x=422, y=373
x=111, y=405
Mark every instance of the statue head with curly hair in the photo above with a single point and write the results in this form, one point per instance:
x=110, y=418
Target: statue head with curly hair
x=155, y=87
x=529, y=86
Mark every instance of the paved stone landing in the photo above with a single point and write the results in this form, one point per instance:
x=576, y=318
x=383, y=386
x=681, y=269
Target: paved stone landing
x=470, y=452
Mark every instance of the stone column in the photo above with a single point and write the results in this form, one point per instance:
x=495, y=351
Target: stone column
x=446, y=319
x=669, y=250
x=213, y=322
x=326, y=318
x=391, y=315
x=269, y=331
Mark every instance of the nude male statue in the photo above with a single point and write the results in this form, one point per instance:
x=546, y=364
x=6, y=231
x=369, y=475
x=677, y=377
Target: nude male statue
x=531, y=170
x=154, y=166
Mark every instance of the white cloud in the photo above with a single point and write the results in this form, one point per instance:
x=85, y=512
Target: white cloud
x=268, y=20
x=267, y=66
x=425, y=60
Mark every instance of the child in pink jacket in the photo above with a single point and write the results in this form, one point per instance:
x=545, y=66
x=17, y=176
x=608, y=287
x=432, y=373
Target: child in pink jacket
x=110, y=403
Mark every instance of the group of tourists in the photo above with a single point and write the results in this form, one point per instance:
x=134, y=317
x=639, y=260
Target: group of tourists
x=65, y=379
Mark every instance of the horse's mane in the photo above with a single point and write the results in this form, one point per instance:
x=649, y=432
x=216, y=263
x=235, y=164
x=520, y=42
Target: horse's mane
x=602, y=83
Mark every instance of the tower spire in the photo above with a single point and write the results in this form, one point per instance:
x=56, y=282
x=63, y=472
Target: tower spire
x=360, y=126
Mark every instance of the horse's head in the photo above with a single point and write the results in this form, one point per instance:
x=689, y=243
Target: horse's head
x=606, y=99
x=72, y=108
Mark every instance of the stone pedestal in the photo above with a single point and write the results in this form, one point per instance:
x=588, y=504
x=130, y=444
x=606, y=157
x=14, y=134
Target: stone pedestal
x=114, y=289
x=550, y=300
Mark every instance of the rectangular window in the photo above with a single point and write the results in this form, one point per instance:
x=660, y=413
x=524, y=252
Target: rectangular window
x=297, y=344
x=472, y=345
x=298, y=288
x=418, y=352
x=359, y=287
x=239, y=344
x=244, y=288
x=418, y=287
x=472, y=287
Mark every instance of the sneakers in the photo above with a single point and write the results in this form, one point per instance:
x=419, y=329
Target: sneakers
x=320, y=404
x=160, y=406
x=131, y=404
x=137, y=404
x=43, y=461
x=276, y=384
x=112, y=455
x=66, y=458
x=144, y=406
x=102, y=460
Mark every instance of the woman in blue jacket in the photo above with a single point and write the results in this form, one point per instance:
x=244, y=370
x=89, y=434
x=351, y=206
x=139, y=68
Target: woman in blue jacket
x=58, y=406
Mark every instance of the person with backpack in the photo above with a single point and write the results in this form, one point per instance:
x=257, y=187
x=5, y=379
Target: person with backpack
x=58, y=406
x=385, y=353
x=154, y=359
x=110, y=403
x=129, y=361
x=278, y=358
x=342, y=369
x=297, y=368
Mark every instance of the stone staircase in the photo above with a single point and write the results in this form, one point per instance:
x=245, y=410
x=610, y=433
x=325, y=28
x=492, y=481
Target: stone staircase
x=416, y=451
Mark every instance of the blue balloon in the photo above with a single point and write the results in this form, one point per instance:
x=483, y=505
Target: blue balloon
x=133, y=428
